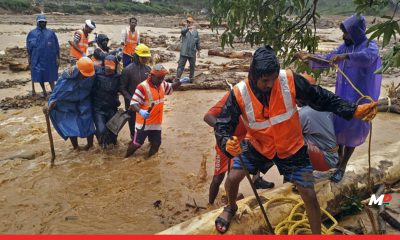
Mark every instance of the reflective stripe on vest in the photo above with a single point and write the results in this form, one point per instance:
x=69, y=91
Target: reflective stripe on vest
x=150, y=96
x=148, y=126
x=82, y=45
x=287, y=99
x=131, y=42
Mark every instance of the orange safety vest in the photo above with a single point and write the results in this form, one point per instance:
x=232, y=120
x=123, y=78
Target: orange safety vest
x=153, y=94
x=278, y=130
x=82, y=45
x=131, y=42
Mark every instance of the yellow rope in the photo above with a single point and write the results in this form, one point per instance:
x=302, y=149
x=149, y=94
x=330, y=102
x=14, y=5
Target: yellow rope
x=297, y=221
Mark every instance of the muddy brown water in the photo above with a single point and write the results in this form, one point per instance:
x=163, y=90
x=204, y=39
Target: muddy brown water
x=98, y=191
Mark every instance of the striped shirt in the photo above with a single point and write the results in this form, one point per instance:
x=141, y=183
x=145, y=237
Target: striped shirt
x=77, y=36
x=140, y=93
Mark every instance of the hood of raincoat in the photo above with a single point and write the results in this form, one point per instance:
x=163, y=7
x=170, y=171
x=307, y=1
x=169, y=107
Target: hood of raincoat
x=40, y=18
x=355, y=26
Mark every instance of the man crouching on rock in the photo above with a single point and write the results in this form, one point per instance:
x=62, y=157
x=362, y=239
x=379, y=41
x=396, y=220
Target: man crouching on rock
x=70, y=107
x=148, y=103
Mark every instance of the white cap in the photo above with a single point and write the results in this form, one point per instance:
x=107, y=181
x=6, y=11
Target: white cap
x=90, y=24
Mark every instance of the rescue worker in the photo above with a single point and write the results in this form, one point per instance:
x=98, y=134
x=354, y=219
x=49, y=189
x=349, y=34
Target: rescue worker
x=150, y=93
x=69, y=105
x=221, y=161
x=190, y=43
x=131, y=76
x=105, y=100
x=102, y=50
x=266, y=103
x=358, y=58
x=80, y=43
x=130, y=38
x=43, y=55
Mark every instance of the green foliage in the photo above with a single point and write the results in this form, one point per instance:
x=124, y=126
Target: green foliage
x=351, y=206
x=15, y=5
x=286, y=25
x=384, y=30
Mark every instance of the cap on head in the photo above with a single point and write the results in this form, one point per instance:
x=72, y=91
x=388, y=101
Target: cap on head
x=41, y=18
x=91, y=24
x=142, y=50
x=159, y=70
x=85, y=66
x=189, y=19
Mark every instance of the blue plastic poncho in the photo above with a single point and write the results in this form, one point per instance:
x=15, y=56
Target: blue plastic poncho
x=43, y=49
x=363, y=61
x=72, y=115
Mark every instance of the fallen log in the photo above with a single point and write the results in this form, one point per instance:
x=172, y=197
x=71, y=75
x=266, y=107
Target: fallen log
x=331, y=196
x=230, y=54
x=389, y=105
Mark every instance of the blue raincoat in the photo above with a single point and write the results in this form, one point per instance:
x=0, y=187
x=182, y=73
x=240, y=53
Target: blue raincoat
x=43, y=49
x=72, y=115
x=363, y=61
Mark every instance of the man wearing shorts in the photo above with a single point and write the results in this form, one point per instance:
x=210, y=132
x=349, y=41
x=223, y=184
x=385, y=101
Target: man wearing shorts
x=266, y=102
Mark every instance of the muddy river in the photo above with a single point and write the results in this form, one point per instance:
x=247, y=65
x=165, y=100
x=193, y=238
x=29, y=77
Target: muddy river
x=98, y=191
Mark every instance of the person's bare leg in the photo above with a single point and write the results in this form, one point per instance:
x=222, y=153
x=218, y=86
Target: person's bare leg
x=254, y=178
x=33, y=89
x=347, y=152
x=74, y=142
x=232, y=188
x=51, y=85
x=214, y=187
x=337, y=176
x=89, y=144
x=43, y=89
x=312, y=207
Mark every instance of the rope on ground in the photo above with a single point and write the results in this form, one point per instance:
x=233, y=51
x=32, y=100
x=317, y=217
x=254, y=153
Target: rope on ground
x=297, y=222
x=357, y=102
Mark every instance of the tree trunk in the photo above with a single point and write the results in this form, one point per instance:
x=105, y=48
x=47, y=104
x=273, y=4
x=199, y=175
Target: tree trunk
x=383, y=105
x=230, y=54
x=331, y=196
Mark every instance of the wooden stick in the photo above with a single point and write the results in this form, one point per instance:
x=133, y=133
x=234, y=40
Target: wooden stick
x=193, y=206
x=391, y=220
x=381, y=222
x=362, y=225
x=53, y=153
x=344, y=231
x=372, y=219
x=256, y=195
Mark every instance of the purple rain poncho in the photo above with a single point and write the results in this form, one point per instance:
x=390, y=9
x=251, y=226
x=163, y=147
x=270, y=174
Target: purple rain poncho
x=363, y=61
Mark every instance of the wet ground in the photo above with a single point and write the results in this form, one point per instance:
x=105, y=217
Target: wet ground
x=98, y=191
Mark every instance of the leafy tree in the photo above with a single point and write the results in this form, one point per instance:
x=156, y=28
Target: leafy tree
x=290, y=25
x=286, y=25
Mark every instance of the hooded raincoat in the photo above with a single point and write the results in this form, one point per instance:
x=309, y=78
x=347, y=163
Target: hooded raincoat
x=363, y=61
x=72, y=115
x=43, y=49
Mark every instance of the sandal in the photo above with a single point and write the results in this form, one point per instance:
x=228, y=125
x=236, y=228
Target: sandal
x=222, y=225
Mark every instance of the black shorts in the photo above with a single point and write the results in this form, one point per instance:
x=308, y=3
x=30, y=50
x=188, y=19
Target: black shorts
x=296, y=168
x=153, y=135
